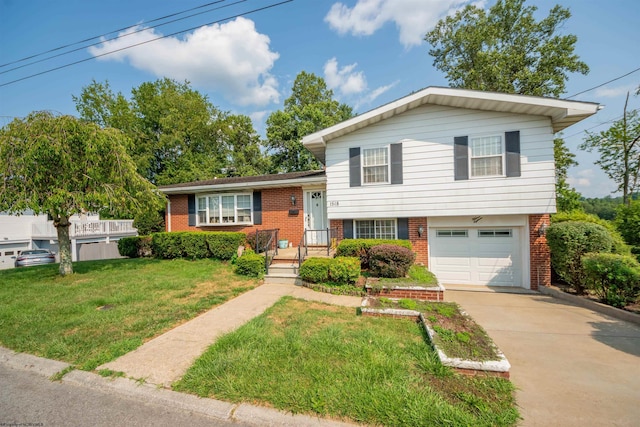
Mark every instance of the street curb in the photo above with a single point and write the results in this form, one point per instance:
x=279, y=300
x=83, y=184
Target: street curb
x=28, y=362
x=591, y=305
x=155, y=395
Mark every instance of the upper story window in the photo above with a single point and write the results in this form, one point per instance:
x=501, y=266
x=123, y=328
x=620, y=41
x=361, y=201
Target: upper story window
x=375, y=165
x=224, y=209
x=487, y=154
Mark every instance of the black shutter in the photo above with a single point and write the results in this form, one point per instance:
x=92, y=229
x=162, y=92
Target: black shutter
x=403, y=228
x=347, y=228
x=191, y=208
x=257, y=207
x=512, y=145
x=354, y=167
x=396, y=163
x=461, y=157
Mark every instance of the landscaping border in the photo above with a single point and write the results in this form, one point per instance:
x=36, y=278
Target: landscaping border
x=590, y=304
x=498, y=368
x=422, y=293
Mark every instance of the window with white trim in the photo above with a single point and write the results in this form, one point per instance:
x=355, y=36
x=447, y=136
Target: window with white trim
x=495, y=233
x=375, y=229
x=452, y=233
x=375, y=165
x=224, y=209
x=487, y=156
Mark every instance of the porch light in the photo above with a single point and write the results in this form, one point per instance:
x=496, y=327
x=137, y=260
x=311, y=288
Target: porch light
x=420, y=230
x=542, y=231
x=293, y=200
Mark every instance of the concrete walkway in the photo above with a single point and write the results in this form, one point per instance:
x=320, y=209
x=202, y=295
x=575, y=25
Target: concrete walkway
x=571, y=366
x=167, y=357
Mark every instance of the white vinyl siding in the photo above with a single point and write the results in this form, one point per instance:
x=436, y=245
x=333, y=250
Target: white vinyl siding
x=487, y=156
x=428, y=187
x=375, y=229
x=224, y=209
x=375, y=165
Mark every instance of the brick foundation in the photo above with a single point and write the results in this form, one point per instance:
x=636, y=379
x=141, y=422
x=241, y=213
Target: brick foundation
x=539, y=254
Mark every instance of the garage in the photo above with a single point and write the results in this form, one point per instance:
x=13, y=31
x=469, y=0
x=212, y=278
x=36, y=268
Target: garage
x=476, y=255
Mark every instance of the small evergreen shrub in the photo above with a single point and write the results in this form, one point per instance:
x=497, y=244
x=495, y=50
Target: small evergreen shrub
x=344, y=270
x=569, y=241
x=167, y=245
x=315, y=270
x=196, y=244
x=224, y=245
x=251, y=241
x=360, y=248
x=250, y=264
x=615, y=279
x=128, y=246
x=390, y=260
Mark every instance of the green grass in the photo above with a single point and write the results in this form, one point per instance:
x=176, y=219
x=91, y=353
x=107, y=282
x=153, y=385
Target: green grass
x=60, y=318
x=324, y=360
x=418, y=276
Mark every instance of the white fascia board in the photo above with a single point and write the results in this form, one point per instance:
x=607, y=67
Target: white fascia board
x=256, y=185
x=565, y=112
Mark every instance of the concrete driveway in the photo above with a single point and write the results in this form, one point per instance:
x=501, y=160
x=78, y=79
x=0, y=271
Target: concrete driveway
x=571, y=366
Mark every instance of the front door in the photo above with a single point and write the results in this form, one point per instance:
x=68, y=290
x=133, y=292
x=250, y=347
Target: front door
x=315, y=217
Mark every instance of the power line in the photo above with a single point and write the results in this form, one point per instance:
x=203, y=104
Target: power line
x=122, y=36
x=593, y=127
x=605, y=83
x=106, y=34
x=145, y=42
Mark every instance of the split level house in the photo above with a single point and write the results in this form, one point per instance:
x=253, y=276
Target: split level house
x=467, y=176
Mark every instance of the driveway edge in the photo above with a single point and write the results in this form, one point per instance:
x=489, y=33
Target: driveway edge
x=592, y=305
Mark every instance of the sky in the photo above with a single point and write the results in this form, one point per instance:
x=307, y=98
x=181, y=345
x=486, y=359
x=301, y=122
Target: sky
x=245, y=54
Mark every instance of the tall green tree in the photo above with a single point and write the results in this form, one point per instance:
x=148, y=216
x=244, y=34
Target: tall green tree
x=310, y=108
x=567, y=198
x=619, y=150
x=61, y=166
x=505, y=49
x=177, y=134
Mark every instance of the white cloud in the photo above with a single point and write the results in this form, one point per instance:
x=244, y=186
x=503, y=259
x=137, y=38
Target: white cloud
x=351, y=83
x=232, y=58
x=344, y=79
x=413, y=18
x=614, y=92
x=591, y=182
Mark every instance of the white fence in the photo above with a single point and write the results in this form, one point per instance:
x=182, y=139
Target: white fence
x=78, y=229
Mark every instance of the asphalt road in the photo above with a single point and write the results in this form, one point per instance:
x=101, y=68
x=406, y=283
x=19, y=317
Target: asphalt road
x=30, y=399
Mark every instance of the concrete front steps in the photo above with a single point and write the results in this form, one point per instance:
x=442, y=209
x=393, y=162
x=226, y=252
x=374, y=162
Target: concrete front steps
x=284, y=267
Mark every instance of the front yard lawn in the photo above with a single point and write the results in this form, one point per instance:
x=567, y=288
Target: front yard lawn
x=314, y=358
x=107, y=308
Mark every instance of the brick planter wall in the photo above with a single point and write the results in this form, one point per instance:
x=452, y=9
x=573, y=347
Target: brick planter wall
x=539, y=254
x=422, y=294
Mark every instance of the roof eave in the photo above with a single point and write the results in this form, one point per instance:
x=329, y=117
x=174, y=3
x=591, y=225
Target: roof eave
x=245, y=185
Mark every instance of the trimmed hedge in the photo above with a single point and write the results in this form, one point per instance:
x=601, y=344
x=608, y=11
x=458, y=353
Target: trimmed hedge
x=619, y=245
x=614, y=278
x=135, y=246
x=360, y=248
x=197, y=244
x=343, y=270
x=250, y=264
x=569, y=241
x=315, y=270
x=390, y=260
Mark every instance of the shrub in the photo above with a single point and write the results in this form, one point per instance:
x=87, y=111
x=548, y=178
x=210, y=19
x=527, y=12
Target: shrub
x=128, y=246
x=628, y=223
x=568, y=241
x=360, y=248
x=315, y=270
x=619, y=245
x=197, y=244
x=344, y=270
x=250, y=264
x=251, y=240
x=615, y=279
x=390, y=260
x=224, y=245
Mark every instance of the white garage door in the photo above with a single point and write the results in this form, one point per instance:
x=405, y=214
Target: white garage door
x=476, y=256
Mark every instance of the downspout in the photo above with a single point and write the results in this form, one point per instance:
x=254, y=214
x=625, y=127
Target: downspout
x=169, y=215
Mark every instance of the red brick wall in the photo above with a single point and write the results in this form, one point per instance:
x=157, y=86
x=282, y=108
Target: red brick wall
x=540, y=257
x=276, y=204
x=419, y=243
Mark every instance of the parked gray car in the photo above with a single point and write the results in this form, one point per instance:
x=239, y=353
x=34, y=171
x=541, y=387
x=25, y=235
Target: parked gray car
x=35, y=257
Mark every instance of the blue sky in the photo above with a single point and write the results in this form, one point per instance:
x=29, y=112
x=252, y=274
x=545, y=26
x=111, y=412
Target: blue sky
x=369, y=51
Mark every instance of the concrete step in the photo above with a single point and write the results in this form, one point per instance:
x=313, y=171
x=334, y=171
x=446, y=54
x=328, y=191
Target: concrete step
x=282, y=278
x=283, y=268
